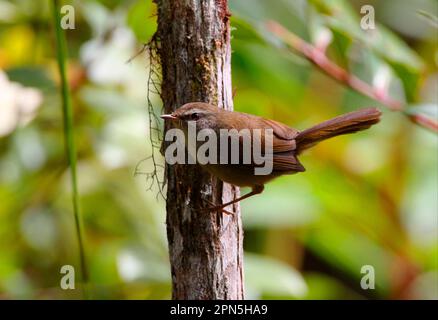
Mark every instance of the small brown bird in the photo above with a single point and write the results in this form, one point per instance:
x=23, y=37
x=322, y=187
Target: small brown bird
x=287, y=143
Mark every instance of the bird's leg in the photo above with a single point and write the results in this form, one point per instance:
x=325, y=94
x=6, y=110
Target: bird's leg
x=255, y=190
x=222, y=210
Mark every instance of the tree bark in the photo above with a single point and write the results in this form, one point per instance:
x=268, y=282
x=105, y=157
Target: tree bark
x=205, y=249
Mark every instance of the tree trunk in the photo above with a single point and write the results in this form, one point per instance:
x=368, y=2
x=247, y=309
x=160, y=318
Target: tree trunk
x=205, y=249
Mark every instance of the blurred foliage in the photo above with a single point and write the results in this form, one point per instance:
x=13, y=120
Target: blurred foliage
x=365, y=199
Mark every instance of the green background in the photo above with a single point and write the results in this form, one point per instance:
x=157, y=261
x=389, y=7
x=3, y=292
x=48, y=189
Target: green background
x=365, y=199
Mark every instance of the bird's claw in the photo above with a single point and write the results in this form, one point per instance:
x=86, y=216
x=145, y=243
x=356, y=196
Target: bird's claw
x=216, y=208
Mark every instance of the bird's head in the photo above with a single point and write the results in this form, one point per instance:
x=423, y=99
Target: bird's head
x=202, y=114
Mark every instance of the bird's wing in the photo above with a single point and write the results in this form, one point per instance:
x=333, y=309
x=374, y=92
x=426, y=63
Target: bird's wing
x=281, y=130
x=284, y=144
x=283, y=135
x=287, y=162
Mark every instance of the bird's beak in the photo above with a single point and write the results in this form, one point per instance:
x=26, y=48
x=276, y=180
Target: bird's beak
x=168, y=117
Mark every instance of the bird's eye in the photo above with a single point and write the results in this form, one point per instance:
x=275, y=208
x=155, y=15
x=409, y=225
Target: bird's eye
x=194, y=116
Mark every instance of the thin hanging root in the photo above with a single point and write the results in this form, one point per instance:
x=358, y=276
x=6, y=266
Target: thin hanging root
x=156, y=175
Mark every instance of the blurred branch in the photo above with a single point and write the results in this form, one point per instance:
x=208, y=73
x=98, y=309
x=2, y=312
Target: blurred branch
x=318, y=57
x=424, y=121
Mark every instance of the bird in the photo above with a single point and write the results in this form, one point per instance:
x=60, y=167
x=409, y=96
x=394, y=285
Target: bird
x=287, y=144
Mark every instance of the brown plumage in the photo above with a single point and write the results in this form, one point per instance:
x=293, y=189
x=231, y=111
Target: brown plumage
x=288, y=143
x=346, y=123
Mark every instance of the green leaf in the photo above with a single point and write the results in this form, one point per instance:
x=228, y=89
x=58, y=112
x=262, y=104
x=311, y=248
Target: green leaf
x=289, y=201
x=324, y=287
x=341, y=18
x=429, y=17
x=141, y=20
x=348, y=251
x=243, y=30
x=269, y=277
x=409, y=79
x=31, y=77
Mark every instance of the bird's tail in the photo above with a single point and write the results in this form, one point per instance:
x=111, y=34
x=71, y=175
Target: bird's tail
x=344, y=124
